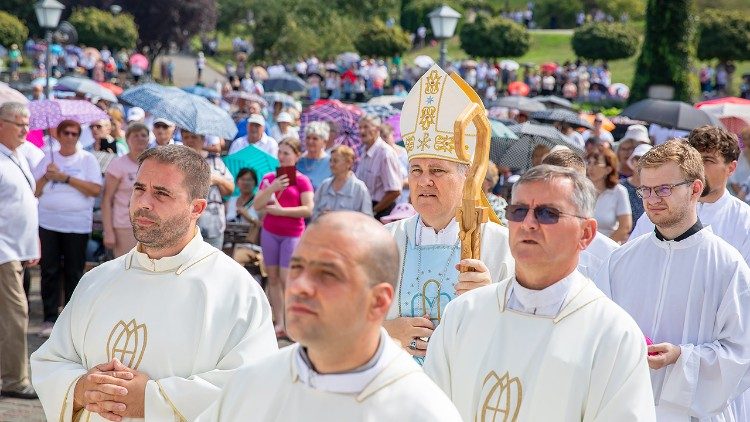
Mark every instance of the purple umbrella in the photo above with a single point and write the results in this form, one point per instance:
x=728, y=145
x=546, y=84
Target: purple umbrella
x=395, y=122
x=345, y=119
x=47, y=114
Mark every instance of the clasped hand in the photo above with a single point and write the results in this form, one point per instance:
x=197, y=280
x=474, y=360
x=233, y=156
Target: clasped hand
x=111, y=390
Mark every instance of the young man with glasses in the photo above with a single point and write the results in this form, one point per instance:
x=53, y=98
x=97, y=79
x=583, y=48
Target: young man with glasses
x=545, y=344
x=688, y=290
x=727, y=215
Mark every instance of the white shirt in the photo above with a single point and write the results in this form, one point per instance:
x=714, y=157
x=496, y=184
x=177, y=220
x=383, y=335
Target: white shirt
x=62, y=207
x=610, y=204
x=427, y=235
x=742, y=173
x=595, y=255
x=266, y=144
x=33, y=154
x=19, y=223
x=545, y=302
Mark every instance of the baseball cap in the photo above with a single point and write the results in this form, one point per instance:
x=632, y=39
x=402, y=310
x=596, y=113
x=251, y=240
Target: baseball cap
x=165, y=121
x=257, y=119
x=136, y=113
x=284, y=117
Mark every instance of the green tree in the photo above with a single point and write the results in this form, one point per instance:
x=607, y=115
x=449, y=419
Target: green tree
x=377, y=40
x=724, y=35
x=605, y=41
x=99, y=28
x=490, y=37
x=414, y=13
x=634, y=9
x=230, y=12
x=557, y=13
x=667, y=50
x=12, y=30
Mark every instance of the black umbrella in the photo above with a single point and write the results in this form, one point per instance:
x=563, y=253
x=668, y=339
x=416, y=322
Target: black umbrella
x=519, y=103
x=671, y=114
x=553, y=101
x=517, y=154
x=560, y=115
x=284, y=83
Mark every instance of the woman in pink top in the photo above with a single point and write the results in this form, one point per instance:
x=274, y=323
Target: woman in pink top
x=285, y=207
x=118, y=186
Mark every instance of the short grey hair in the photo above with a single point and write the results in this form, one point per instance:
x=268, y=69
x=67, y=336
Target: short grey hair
x=584, y=193
x=11, y=110
x=371, y=119
x=319, y=129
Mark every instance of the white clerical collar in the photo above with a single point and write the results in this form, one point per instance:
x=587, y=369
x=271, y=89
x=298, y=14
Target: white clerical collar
x=351, y=382
x=546, y=302
x=427, y=236
x=168, y=263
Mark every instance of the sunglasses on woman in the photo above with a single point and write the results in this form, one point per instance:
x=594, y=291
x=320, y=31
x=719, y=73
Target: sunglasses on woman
x=544, y=214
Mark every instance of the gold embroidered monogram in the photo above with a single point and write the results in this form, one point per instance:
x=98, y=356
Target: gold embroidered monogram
x=433, y=83
x=427, y=117
x=409, y=143
x=444, y=143
x=502, y=399
x=127, y=343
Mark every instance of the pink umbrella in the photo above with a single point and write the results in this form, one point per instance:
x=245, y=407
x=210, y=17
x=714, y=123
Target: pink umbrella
x=8, y=94
x=395, y=122
x=46, y=114
x=36, y=137
x=139, y=60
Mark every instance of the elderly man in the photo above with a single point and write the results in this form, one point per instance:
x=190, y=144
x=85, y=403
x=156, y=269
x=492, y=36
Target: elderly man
x=157, y=332
x=379, y=167
x=688, y=290
x=597, y=252
x=163, y=133
x=345, y=366
x=255, y=136
x=429, y=241
x=19, y=248
x=727, y=215
x=545, y=345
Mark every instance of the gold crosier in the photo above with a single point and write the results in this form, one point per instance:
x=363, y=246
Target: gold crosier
x=473, y=211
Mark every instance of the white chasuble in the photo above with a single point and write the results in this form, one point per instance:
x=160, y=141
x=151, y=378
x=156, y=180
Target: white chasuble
x=694, y=293
x=587, y=363
x=187, y=321
x=280, y=389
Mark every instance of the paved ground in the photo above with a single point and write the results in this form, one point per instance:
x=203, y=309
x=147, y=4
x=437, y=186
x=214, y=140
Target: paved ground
x=185, y=71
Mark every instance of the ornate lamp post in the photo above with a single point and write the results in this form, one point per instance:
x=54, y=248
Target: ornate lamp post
x=443, y=21
x=48, y=15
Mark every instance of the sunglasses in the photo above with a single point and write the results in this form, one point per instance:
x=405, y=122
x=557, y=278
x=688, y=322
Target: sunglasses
x=160, y=126
x=67, y=133
x=544, y=214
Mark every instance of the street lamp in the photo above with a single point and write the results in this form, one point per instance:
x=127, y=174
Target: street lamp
x=443, y=21
x=48, y=15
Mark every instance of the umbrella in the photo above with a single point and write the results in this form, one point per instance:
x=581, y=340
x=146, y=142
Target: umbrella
x=46, y=114
x=138, y=60
x=43, y=81
x=385, y=100
x=188, y=111
x=550, y=67
x=560, y=115
x=501, y=131
x=734, y=115
x=285, y=82
x=346, y=120
x=202, y=91
x=115, y=89
x=619, y=90
x=86, y=86
x=518, y=153
x=607, y=124
x=236, y=96
x=91, y=51
x=519, y=103
x=518, y=88
x=8, y=94
x=280, y=97
x=259, y=73
x=509, y=65
x=723, y=100
x=395, y=122
x=380, y=110
x=671, y=114
x=250, y=157
x=424, y=61
x=501, y=139
x=553, y=101
x=346, y=59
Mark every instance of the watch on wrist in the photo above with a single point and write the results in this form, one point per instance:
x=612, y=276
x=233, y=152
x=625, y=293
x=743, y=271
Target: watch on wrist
x=67, y=179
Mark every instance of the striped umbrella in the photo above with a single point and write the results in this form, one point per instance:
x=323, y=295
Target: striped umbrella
x=345, y=119
x=188, y=111
x=518, y=153
x=560, y=115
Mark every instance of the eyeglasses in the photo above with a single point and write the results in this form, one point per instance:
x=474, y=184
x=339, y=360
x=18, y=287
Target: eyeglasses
x=67, y=133
x=16, y=124
x=543, y=214
x=661, y=191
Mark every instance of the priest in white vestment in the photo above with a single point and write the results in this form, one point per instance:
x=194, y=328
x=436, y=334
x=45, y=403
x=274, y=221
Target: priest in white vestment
x=688, y=290
x=345, y=366
x=597, y=252
x=727, y=215
x=546, y=344
x=428, y=242
x=157, y=332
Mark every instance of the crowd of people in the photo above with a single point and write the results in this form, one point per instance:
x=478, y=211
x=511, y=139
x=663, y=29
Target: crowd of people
x=596, y=255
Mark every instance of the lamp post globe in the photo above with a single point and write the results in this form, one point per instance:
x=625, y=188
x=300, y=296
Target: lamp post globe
x=443, y=21
x=48, y=14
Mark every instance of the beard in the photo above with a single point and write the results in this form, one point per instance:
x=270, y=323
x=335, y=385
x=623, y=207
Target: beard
x=161, y=234
x=671, y=219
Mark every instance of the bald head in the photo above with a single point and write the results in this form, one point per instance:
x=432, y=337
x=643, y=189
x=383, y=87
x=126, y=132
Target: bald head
x=379, y=255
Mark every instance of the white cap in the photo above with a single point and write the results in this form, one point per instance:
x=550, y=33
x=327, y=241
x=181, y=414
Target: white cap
x=257, y=119
x=284, y=117
x=136, y=113
x=165, y=121
x=639, y=151
x=638, y=133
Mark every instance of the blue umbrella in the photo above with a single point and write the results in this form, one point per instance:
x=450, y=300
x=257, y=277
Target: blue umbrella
x=284, y=82
x=251, y=157
x=188, y=111
x=279, y=97
x=202, y=91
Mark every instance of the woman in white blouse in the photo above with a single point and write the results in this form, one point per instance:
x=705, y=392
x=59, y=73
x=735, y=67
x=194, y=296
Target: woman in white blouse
x=612, y=211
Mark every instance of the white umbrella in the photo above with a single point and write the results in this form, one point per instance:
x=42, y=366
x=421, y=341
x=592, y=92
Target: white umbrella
x=424, y=61
x=385, y=100
x=509, y=65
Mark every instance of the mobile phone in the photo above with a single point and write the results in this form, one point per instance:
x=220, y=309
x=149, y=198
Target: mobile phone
x=290, y=172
